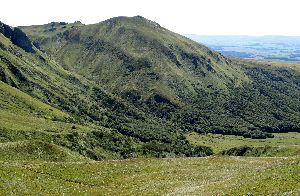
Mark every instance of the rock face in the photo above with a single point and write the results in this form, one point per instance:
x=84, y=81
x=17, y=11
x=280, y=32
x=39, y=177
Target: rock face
x=5, y=30
x=17, y=37
x=20, y=39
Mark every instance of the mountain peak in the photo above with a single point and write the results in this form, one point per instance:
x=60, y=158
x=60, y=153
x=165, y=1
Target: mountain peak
x=141, y=18
x=131, y=20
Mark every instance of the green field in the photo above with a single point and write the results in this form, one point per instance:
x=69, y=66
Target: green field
x=214, y=175
x=288, y=144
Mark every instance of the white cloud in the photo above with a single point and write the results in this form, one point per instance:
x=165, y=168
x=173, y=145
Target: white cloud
x=247, y=17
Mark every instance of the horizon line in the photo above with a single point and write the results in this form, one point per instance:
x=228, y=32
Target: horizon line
x=241, y=35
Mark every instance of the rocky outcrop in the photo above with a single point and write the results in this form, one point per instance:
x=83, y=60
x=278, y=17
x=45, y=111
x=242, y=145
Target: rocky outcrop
x=6, y=30
x=20, y=39
x=17, y=37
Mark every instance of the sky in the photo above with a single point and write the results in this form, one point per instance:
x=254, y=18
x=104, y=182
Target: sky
x=202, y=17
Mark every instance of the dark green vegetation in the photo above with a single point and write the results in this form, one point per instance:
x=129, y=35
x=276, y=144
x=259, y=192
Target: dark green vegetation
x=265, y=151
x=127, y=87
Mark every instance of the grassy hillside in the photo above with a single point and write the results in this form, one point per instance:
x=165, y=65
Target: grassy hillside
x=171, y=77
x=32, y=130
x=79, y=111
x=181, y=176
x=37, y=151
x=15, y=101
x=85, y=101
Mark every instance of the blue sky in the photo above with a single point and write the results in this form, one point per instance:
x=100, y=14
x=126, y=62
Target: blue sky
x=204, y=17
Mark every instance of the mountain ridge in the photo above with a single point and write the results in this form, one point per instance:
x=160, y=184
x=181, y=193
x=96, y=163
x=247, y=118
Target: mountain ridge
x=192, y=69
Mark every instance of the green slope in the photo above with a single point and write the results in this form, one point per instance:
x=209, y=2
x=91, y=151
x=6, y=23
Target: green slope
x=115, y=51
x=31, y=130
x=15, y=101
x=80, y=111
x=169, y=76
x=43, y=78
x=32, y=150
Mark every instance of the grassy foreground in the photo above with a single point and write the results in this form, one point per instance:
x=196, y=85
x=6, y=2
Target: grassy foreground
x=214, y=175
